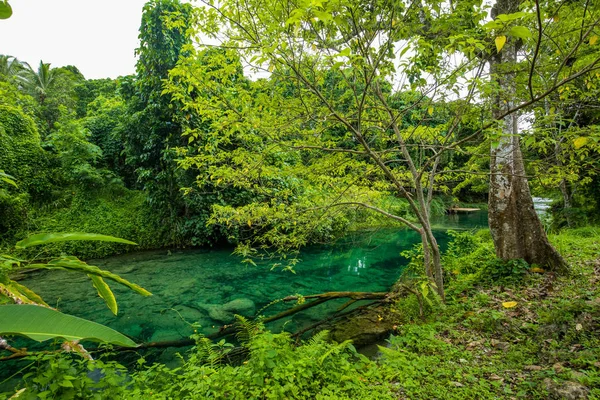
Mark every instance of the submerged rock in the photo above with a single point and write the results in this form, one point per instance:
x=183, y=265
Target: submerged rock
x=226, y=312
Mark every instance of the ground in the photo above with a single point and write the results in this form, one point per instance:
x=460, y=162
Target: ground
x=537, y=336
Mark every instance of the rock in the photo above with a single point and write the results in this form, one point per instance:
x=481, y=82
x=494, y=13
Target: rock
x=566, y=390
x=189, y=314
x=225, y=313
x=558, y=368
x=499, y=345
x=495, y=377
x=364, y=328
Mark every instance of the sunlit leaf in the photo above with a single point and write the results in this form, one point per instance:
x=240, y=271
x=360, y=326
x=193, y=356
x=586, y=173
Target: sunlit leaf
x=41, y=323
x=520, y=32
x=46, y=238
x=105, y=293
x=580, y=142
x=509, y=304
x=500, y=41
x=593, y=40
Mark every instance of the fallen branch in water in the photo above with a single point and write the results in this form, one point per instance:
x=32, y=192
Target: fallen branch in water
x=230, y=329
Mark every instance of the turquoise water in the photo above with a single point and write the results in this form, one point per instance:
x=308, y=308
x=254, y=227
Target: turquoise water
x=191, y=286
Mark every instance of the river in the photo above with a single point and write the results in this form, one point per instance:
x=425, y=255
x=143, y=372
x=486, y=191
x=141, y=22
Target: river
x=191, y=286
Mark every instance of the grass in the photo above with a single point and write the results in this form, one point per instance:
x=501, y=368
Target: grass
x=535, y=337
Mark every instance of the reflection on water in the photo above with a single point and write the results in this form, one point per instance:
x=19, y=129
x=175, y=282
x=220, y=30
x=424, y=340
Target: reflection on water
x=358, y=265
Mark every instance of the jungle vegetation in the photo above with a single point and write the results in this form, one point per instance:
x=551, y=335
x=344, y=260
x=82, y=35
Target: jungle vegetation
x=299, y=122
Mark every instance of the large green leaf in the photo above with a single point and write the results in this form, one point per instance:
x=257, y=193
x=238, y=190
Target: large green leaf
x=105, y=292
x=74, y=264
x=45, y=238
x=5, y=10
x=41, y=323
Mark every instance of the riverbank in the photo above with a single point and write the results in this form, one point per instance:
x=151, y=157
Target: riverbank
x=508, y=330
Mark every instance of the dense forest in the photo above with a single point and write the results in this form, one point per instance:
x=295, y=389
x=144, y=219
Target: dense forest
x=267, y=127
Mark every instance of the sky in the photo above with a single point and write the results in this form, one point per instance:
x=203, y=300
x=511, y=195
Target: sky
x=98, y=37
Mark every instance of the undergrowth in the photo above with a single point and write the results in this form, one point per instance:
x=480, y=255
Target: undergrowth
x=507, y=330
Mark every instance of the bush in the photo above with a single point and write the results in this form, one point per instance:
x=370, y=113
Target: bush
x=116, y=212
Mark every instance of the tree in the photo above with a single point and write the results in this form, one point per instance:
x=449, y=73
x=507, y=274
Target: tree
x=515, y=227
x=330, y=109
x=10, y=67
x=39, y=82
x=151, y=131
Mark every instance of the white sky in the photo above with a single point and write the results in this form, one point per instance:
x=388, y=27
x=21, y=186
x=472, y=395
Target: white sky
x=98, y=37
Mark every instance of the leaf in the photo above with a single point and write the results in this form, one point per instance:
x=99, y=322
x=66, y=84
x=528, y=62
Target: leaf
x=4, y=177
x=593, y=40
x=5, y=10
x=520, y=32
x=31, y=295
x=580, y=142
x=430, y=111
x=41, y=323
x=75, y=264
x=509, y=304
x=105, y=293
x=537, y=270
x=500, y=41
x=45, y=238
x=344, y=53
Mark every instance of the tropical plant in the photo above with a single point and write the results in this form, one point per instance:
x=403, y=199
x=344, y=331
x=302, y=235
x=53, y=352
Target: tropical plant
x=38, y=320
x=10, y=67
x=39, y=82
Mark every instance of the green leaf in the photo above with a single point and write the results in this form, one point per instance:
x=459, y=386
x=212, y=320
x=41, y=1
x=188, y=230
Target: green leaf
x=4, y=177
x=41, y=323
x=75, y=264
x=31, y=295
x=45, y=238
x=520, y=32
x=344, y=53
x=105, y=293
x=5, y=10
x=511, y=17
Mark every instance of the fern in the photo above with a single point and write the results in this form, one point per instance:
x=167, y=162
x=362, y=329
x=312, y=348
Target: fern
x=247, y=329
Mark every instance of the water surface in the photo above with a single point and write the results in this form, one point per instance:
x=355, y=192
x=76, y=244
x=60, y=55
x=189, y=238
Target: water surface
x=188, y=284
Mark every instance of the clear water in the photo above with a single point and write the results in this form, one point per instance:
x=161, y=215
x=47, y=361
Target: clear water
x=187, y=283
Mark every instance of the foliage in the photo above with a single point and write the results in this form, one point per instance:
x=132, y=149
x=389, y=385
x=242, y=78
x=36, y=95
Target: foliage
x=112, y=211
x=151, y=129
x=5, y=9
x=41, y=324
x=474, y=347
x=72, y=377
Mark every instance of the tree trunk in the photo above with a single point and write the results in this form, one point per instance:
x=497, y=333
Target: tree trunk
x=515, y=226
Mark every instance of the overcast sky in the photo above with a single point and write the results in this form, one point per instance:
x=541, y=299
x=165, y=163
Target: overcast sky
x=98, y=37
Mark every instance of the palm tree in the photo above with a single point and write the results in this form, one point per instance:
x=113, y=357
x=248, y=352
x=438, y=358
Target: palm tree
x=10, y=67
x=38, y=83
